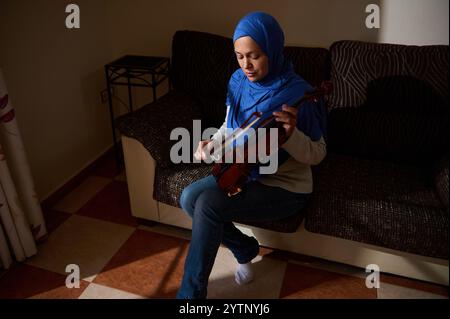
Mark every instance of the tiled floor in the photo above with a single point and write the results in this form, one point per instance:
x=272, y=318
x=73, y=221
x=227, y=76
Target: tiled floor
x=92, y=227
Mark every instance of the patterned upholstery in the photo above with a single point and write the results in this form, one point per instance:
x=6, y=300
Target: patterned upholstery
x=151, y=124
x=170, y=182
x=355, y=64
x=313, y=64
x=441, y=179
x=378, y=203
x=213, y=111
x=202, y=64
x=377, y=184
x=404, y=93
x=389, y=102
x=406, y=137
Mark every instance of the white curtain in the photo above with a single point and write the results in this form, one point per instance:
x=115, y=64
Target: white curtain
x=21, y=218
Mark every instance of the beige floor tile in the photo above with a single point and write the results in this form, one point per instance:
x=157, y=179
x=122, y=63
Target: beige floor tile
x=95, y=291
x=62, y=292
x=89, y=243
x=388, y=291
x=82, y=194
x=168, y=230
x=269, y=275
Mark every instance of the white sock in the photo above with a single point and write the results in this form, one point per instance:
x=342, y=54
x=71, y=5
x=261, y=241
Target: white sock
x=244, y=273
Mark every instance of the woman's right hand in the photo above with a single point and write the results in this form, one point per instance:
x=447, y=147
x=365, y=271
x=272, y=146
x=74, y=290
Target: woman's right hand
x=200, y=153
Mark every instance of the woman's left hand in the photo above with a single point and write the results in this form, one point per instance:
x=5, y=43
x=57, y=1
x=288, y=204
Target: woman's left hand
x=288, y=116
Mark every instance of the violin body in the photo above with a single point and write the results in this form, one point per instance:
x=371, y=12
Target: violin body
x=232, y=177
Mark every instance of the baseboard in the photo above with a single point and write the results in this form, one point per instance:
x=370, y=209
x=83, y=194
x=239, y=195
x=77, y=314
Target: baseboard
x=72, y=182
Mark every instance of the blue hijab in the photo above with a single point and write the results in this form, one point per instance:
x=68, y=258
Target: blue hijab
x=281, y=85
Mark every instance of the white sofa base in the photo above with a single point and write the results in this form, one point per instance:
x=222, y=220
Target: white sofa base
x=140, y=171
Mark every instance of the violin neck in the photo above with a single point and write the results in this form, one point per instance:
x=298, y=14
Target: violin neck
x=304, y=98
x=310, y=96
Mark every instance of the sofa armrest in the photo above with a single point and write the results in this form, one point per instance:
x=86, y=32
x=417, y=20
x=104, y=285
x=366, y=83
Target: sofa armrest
x=140, y=170
x=440, y=178
x=152, y=124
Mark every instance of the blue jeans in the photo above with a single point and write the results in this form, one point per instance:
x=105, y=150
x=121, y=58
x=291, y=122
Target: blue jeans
x=213, y=213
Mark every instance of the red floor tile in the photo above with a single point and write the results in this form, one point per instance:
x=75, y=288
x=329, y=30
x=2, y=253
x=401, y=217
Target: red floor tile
x=111, y=204
x=24, y=281
x=148, y=264
x=305, y=282
x=54, y=218
x=106, y=166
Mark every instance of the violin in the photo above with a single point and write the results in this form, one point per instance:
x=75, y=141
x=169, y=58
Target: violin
x=232, y=177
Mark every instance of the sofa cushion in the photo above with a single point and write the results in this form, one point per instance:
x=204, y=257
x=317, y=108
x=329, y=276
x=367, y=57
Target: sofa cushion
x=312, y=64
x=170, y=182
x=202, y=64
x=213, y=111
x=404, y=94
x=440, y=173
x=152, y=124
x=355, y=64
x=379, y=203
x=404, y=137
x=389, y=101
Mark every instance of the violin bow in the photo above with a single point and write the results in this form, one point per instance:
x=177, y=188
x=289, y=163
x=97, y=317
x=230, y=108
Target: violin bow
x=325, y=89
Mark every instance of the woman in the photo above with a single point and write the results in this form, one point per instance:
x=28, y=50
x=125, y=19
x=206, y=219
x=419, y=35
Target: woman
x=264, y=82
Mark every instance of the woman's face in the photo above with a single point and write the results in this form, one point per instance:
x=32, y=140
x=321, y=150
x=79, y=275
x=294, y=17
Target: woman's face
x=252, y=60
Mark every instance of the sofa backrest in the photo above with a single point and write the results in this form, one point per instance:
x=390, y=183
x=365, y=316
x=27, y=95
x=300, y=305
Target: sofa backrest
x=355, y=64
x=202, y=64
x=389, y=101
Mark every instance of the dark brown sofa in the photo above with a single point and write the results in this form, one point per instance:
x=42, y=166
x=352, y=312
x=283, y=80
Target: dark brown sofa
x=384, y=181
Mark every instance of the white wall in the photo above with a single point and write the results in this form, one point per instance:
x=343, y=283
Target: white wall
x=147, y=26
x=53, y=76
x=414, y=22
x=143, y=26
